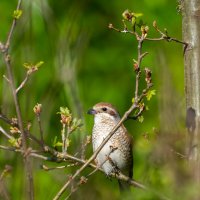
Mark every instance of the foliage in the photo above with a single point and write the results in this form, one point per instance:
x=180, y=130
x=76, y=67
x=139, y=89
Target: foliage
x=17, y=14
x=150, y=93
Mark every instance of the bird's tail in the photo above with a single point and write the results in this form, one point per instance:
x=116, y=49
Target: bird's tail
x=124, y=186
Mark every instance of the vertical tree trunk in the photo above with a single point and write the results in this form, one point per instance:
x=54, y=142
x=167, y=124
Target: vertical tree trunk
x=191, y=35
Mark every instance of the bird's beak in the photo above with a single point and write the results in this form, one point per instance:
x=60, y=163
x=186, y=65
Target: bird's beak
x=91, y=111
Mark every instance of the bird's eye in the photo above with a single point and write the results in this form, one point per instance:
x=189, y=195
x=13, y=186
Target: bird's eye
x=104, y=108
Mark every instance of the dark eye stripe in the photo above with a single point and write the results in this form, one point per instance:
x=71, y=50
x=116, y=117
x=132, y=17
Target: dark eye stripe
x=113, y=113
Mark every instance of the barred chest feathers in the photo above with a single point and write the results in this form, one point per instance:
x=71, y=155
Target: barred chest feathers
x=117, y=152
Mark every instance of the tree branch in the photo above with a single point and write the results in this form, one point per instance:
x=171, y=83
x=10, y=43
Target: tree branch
x=6, y=56
x=23, y=83
x=5, y=133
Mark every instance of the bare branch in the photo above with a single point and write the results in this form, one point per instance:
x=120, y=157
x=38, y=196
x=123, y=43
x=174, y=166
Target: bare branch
x=107, y=158
x=6, y=56
x=64, y=138
x=41, y=131
x=3, y=191
x=164, y=36
x=5, y=133
x=59, y=167
x=5, y=119
x=5, y=77
x=10, y=34
x=22, y=83
x=84, y=145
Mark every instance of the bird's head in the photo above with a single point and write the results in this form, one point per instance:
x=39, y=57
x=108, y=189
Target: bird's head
x=104, y=111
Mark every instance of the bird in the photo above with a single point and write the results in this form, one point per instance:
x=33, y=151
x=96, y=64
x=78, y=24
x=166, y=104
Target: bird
x=116, y=155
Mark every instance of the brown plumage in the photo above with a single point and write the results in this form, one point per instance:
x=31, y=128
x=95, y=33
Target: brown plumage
x=117, y=152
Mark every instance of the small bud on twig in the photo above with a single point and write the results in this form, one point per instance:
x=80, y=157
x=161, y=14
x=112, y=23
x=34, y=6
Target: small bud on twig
x=32, y=67
x=66, y=116
x=65, y=119
x=144, y=30
x=127, y=15
x=14, y=121
x=83, y=180
x=154, y=24
x=14, y=130
x=148, y=76
x=37, y=109
x=110, y=26
x=136, y=67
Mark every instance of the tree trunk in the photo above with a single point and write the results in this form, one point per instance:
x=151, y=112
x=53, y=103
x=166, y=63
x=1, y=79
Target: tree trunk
x=191, y=35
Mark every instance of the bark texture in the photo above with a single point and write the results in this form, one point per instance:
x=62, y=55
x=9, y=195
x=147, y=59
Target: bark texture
x=191, y=35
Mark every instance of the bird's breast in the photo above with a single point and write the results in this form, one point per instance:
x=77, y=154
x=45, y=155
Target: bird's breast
x=113, y=149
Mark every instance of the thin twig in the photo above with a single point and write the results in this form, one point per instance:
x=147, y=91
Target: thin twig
x=63, y=138
x=125, y=30
x=162, y=37
x=140, y=41
x=41, y=131
x=135, y=117
x=59, y=167
x=5, y=119
x=5, y=133
x=3, y=190
x=84, y=145
x=22, y=83
x=36, y=155
x=6, y=56
x=10, y=148
x=10, y=34
x=107, y=158
x=5, y=77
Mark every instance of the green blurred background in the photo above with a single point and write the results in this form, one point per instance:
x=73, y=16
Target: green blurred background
x=86, y=63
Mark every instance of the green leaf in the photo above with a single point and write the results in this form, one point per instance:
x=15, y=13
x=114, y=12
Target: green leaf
x=76, y=123
x=149, y=94
x=135, y=61
x=56, y=143
x=137, y=14
x=133, y=21
x=13, y=141
x=39, y=64
x=17, y=14
x=64, y=111
x=133, y=100
x=27, y=65
x=141, y=119
x=54, y=140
